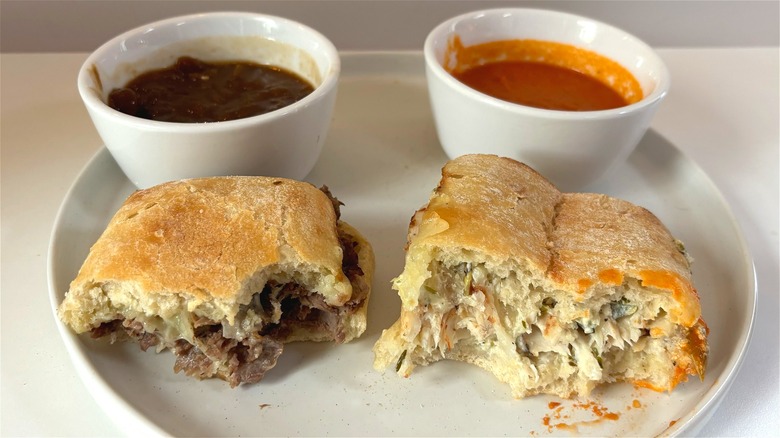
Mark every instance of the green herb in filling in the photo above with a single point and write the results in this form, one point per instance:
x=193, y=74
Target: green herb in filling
x=622, y=308
x=400, y=361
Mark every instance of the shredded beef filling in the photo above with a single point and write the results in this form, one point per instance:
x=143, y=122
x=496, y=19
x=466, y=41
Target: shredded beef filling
x=246, y=360
x=237, y=362
x=334, y=200
x=349, y=261
x=106, y=329
x=136, y=331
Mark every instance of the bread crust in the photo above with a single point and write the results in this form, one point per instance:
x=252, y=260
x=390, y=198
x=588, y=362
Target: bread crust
x=517, y=205
x=204, y=237
x=600, y=240
x=506, y=212
x=203, y=247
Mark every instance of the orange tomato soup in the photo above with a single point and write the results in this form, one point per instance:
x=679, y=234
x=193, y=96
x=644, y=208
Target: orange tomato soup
x=543, y=74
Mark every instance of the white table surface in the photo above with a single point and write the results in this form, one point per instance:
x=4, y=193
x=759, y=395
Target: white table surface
x=723, y=112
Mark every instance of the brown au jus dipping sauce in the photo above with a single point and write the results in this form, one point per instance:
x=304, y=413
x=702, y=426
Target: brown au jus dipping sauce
x=194, y=91
x=543, y=74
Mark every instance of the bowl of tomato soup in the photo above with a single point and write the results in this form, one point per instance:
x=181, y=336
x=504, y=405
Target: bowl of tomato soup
x=568, y=95
x=223, y=93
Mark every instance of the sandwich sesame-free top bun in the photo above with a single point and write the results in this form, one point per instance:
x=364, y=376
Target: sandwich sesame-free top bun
x=551, y=292
x=223, y=271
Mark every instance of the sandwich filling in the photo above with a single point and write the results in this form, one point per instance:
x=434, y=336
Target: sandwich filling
x=462, y=308
x=244, y=351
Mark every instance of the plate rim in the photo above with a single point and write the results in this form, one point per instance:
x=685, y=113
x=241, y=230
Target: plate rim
x=712, y=398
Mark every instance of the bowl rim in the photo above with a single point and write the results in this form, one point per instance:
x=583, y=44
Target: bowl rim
x=96, y=104
x=435, y=67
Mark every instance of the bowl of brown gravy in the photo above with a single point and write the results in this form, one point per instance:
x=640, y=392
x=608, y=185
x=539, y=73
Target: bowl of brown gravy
x=568, y=95
x=223, y=93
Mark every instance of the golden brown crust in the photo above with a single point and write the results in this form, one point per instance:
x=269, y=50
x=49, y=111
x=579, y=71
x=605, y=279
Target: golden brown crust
x=481, y=197
x=205, y=237
x=578, y=240
x=204, y=247
x=598, y=239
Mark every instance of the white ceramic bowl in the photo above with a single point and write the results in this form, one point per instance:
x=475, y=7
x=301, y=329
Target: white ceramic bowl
x=570, y=148
x=286, y=142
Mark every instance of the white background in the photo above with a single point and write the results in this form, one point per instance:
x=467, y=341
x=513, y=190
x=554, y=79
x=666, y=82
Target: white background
x=81, y=26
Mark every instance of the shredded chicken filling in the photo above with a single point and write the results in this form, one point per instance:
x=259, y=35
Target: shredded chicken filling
x=464, y=304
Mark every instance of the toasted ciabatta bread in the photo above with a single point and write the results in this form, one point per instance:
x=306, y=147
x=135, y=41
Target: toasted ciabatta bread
x=552, y=293
x=223, y=271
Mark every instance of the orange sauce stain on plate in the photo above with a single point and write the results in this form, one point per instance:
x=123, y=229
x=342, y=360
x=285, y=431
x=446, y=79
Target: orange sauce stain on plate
x=543, y=74
x=557, y=418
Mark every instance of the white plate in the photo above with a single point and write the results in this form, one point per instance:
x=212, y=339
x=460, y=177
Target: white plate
x=382, y=159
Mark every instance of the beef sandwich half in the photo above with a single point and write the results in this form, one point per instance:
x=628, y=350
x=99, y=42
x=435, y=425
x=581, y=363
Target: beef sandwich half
x=551, y=292
x=223, y=271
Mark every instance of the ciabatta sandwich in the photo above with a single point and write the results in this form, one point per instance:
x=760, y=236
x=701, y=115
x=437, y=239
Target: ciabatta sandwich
x=223, y=271
x=551, y=292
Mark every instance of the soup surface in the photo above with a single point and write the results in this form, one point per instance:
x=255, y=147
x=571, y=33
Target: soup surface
x=542, y=85
x=193, y=91
x=543, y=74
